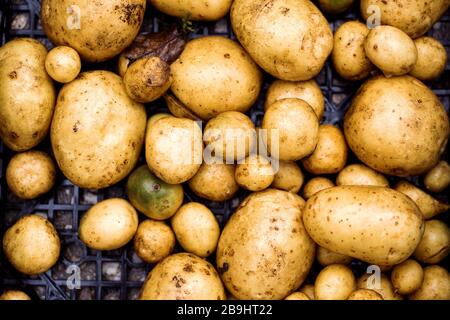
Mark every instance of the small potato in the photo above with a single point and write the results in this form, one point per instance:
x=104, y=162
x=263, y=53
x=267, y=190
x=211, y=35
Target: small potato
x=435, y=244
x=30, y=174
x=326, y=257
x=14, y=295
x=178, y=109
x=431, y=59
x=360, y=175
x=255, y=173
x=334, y=282
x=435, y=285
x=438, y=178
x=154, y=240
x=297, y=296
x=330, y=154
x=315, y=185
x=382, y=286
x=407, y=277
x=63, y=64
x=308, y=289
x=335, y=6
x=196, y=229
x=289, y=177
x=108, y=225
x=308, y=91
x=364, y=294
x=203, y=10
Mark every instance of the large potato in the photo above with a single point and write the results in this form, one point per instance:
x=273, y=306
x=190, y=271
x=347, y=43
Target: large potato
x=213, y=75
x=397, y=126
x=365, y=222
x=435, y=244
x=97, y=130
x=360, y=175
x=435, y=285
x=97, y=34
x=431, y=59
x=290, y=39
x=264, y=251
x=27, y=95
x=194, y=9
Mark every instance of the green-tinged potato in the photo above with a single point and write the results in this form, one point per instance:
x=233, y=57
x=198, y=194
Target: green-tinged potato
x=435, y=285
x=289, y=177
x=32, y=245
x=30, y=174
x=97, y=131
x=286, y=139
x=214, y=181
x=178, y=109
x=397, y=126
x=326, y=257
x=360, y=175
x=364, y=294
x=290, y=39
x=108, y=225
x=213, y=75
x=63, y=64
x=335, y=6
x=209, y=10
x=349, y=56
x=183, y=276
x=365, y=222
x=330, y=154
x=380, y=284
x=254, y=173
x=315, y=185
x=308, y=289
x=97, y=34
x=334, y=282
x=14, y=295
x=391, y=50
x=154, y=240
x=438, y=178
x=309, y=91
x=27, y=95
x=407, y=276
x=431, y=59
x=264, y=251
x=297, y=296
x=435, y=244
x=196, y=229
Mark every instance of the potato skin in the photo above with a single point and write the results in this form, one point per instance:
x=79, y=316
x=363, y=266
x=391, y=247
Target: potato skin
x=183, y=276
x=264, y=251
x=26, y=93
x=297, y=296
x=385, y=289
x=290, y=39
x=419, y=118
x=431, y=59
x=289, y=177
x=208, y=10
x=358, y=221
x=360, y=175
x=407, y=276
x=435, y=285
x=308, y=289
x=435, y=244
x=14, y=295
x=63, y=64
x=334, y=282
x=255, y=173
x=364, y=294
x=153, y=241
x=326, y=257
x=315, y=185
x=438, y=178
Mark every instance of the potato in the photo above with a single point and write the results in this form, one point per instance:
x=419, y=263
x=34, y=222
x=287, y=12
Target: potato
x=32, y=245
x=194, y=9
x=30, y=174
x=108, y=225
x=364, y=222
x=63, y=64
x=178, y=109
x=315, y=185
x=174, y=149
x=255, y=173
x=435, y=244
x=334, y=282
x=309, y=91
x=14, y=295
x=326, y=257
x=214, y=182
x=335, y=6
x=381, y=285
x=429, y=206
x=286, y=140
x=407, y=276
x=229, y=136
x=219, y=67
x=360, y=175
x=438, y=178
x=183, y=276
x=289, y=177
x=431, y=59
x=397, y=126
x=97, y=131
x=415, y=17
x=435, y=285
x=27, y=95
x=97, y=35
x=364, y=294
x=196, y=229
x=349, y=56
x=330, y=154
x=156, y=117
x=391, y=50
x=297, y=296
x=154, y=240
x=308, y=289
x=264, y=251
x=122, y=64
x=290, y=39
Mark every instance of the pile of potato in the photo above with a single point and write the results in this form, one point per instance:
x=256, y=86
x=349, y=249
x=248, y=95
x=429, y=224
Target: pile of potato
x=320, y=196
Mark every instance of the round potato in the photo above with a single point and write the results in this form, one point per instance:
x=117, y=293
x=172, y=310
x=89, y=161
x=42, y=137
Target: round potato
x=32, y=245
x=334, y=282
x=30, y=174
x=438, y=178
x=380, y=284
x=183, y=276
x=360, y=175
x=255, y=173
x=219, y=67
x=431, y=59
x=209, y=10
x=407, y=276
x=435, y=244
x=196, y=229
x=326, y=257
x=289, y=177
x=315, y=185
x=154, y=240
x=297, y=296
x=435, y=285
x=364, y=294
x=308, y=289
x=14, y=295
x=108, y=225
x=63, y=64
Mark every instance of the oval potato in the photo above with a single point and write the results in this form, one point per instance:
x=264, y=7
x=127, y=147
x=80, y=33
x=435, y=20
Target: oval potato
x=407, y=276
x=435, y=244
x=209, y=10
x=360, y=175
x=315, y=185
x=334, y=282
x=431, y=59
x=254, y=173
x=289, y=177
x=364, y=294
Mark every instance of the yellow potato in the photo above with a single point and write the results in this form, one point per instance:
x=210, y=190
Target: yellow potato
x=308, y=289
x=364, y=294
x=178, y=109
x=407, y=276
x=438, y=178
x=315, y=185
x=14, y=295
x=334, y=282
x=381, y=285
x=289, y=177
x=63, y=64
x=360, y=175
x=435, y=285
x=297, y=296
x=154, y=240
x=326, y=257
x=431, y=59
x=254, y=173
x=194, y=9
x=435, y=244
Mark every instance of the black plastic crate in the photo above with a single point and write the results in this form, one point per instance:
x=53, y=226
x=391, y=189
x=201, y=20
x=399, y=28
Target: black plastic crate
x=120, y=274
